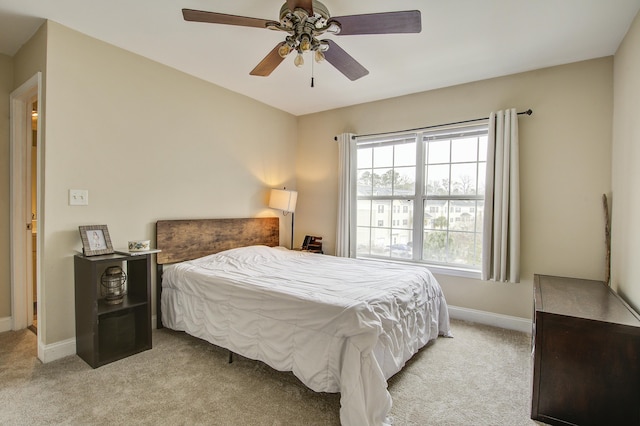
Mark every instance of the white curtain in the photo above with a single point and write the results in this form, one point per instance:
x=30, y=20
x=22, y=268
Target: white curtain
x=343, y=232
x=501, y=239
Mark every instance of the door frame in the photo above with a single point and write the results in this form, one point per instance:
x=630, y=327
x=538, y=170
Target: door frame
x=20, y=213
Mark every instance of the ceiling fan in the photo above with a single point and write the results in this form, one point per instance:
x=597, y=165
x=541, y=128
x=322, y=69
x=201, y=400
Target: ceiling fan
x=306, y=20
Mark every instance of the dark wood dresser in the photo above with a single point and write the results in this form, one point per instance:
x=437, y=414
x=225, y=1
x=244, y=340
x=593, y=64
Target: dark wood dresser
x=586, y=354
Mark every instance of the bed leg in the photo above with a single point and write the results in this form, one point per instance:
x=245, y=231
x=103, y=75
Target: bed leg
x=230, y=357
x=159, y=296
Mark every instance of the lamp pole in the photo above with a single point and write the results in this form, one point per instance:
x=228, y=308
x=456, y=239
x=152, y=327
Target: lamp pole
x=292, y=230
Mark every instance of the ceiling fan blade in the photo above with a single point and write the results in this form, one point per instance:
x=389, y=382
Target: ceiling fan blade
x=344, y=62
x=269, y=63
x=408, y=21
x=303, y=4
x=221, y=18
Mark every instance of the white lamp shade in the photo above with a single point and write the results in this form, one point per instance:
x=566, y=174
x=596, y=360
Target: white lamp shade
x=283, y=199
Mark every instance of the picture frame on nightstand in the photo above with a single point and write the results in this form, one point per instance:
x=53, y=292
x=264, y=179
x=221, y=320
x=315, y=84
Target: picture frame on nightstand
x=95, y=240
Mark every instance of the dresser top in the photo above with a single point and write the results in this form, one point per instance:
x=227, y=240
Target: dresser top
x=581, y=298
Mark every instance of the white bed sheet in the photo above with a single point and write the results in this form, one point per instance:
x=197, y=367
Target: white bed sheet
x=339, y=324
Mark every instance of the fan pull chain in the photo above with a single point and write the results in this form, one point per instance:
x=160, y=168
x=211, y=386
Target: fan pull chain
x=312, y=72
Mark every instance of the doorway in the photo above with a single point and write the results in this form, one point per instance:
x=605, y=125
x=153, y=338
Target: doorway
x=26, y=206
x=32, y=154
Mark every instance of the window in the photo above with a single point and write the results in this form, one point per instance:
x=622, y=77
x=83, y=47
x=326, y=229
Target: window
x=429, y=188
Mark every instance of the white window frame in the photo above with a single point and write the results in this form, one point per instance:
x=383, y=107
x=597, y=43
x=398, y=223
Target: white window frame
x=419, y=200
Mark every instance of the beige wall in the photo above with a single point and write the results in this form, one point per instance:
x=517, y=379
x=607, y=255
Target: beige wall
x=625, y=225
x=6, y=87
x=31, y=58
x=148, y=143
x=565, y=154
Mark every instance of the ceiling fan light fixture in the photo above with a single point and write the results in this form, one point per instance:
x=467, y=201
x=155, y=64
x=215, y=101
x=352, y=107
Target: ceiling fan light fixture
x=319, y=56
x=284, y=50
x=305, y=43
x=299, y=61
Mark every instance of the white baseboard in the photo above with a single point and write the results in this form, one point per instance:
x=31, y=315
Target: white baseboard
x=46, y=353
x=5, y=324
x=54, y=351
x=490, y=318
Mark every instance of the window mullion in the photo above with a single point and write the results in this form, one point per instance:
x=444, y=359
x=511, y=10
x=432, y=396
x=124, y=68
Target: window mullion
x=455, y=197
x=418, y=204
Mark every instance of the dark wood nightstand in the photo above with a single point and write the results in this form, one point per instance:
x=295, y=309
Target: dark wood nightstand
x=109, y=332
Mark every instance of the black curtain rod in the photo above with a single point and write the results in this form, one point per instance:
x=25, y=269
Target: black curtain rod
x=528, y=112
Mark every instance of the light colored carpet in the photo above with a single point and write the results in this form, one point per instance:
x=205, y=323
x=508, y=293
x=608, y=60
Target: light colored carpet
x=480, y=377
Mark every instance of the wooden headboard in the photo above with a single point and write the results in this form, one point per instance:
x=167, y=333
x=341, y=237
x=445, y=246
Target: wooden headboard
x=182, y=240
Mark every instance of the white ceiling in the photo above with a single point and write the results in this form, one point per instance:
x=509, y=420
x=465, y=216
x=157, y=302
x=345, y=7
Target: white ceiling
x=461, y=41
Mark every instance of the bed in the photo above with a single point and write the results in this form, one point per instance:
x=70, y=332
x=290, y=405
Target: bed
x=340, y=325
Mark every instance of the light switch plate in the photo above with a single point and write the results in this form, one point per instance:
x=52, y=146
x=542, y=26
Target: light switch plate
x=78, y=197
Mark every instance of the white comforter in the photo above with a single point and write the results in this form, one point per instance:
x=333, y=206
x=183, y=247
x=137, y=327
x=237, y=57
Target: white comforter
x=340, y=325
